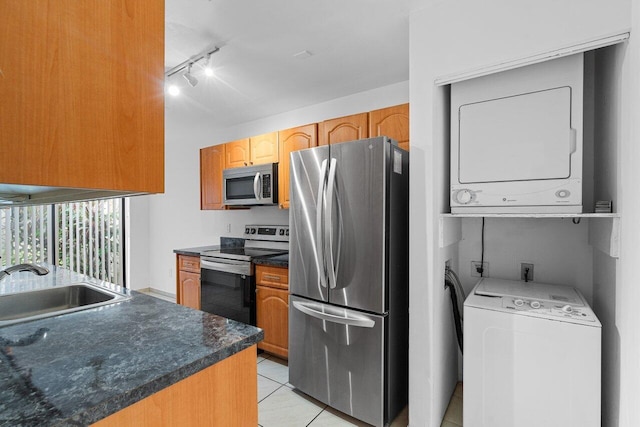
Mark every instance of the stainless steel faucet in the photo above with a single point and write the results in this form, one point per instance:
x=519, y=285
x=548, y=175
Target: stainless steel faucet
x=33, y=268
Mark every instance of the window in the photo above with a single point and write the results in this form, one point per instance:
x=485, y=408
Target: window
x=86, y=237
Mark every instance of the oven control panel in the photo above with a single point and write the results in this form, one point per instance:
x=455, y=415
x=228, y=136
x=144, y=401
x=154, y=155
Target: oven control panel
x=278, y=233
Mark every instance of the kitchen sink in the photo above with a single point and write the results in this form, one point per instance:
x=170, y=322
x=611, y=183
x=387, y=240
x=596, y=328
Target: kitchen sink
x=31, y=305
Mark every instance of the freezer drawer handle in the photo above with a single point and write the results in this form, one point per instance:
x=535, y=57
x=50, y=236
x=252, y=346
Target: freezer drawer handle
x=352, y=320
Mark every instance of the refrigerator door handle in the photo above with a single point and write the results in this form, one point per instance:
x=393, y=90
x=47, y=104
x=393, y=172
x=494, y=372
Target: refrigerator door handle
x=331, y=183
x=349, y=318
x=319, y=237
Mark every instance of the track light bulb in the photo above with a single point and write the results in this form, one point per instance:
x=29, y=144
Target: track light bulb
x=189, y=78
x=208, y=68
x=173, y=90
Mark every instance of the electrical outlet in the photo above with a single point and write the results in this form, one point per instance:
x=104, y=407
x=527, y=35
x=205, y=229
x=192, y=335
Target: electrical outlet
x=475, y=267
x=228, y=228
x=526, y=269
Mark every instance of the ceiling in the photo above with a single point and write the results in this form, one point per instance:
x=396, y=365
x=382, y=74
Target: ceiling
x=355, y=45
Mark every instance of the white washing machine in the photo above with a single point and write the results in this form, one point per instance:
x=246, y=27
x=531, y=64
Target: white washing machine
x=531, y=356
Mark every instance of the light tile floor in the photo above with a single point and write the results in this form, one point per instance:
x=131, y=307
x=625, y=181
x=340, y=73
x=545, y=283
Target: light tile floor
x=280, y=405
x=453, y=416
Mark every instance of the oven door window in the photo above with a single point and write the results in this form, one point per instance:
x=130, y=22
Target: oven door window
x=229, y=295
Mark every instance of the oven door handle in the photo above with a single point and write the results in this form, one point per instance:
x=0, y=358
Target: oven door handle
x=241, y=267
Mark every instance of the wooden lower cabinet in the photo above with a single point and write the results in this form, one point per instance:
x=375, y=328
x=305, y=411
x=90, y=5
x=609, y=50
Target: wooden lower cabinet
x=188, y=281
x=189, y=289
x=224, y=394
x=272, y=309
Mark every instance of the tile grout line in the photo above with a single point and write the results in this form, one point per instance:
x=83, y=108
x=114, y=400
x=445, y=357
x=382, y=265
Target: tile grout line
x=265, y=398
x=319, y=413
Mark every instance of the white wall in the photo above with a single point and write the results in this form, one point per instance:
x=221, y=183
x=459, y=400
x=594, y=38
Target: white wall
x=175, y=219
x=558, y=249
x=627, y=292
x=451, y=38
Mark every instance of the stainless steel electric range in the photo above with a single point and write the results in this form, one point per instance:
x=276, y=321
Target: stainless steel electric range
x=227, y=282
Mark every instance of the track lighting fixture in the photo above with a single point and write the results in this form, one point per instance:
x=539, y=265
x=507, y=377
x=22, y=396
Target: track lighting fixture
x=174, y=89
x=189, y=78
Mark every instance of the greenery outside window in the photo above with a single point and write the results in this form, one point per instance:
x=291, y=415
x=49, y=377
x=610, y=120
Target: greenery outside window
x=86, y=237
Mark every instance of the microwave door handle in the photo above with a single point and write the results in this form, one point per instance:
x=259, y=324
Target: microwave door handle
x=350, y=319
x=257, y=184
x=319, y=237
x=328, y=230
x=573, y=135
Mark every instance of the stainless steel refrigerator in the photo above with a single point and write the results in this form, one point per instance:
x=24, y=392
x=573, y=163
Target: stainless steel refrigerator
x=348, y=277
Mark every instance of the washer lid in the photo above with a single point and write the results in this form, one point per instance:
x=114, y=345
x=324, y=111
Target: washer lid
x=529, y=290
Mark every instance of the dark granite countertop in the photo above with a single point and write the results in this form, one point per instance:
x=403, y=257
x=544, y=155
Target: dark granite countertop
x=225, y=242
x=78, y=368
x=195, y=251
x=276, y=261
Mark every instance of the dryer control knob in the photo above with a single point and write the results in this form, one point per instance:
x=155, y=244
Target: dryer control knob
x=534, y=304
x=567, y=309
x=518, y=302
x=464, y=196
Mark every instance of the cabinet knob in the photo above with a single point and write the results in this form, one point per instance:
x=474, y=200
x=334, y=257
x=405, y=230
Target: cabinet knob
x=245, y=163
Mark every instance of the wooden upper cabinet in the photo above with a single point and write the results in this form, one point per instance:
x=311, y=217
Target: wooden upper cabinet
x=252, y=151
x=343, y=129
x=294, y=139
x=81, y=92
x=392, y=122
x=211, y=167
x=236, y=153
x=264, y=148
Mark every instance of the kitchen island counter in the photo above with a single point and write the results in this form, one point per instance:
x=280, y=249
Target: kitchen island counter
x=81, y=367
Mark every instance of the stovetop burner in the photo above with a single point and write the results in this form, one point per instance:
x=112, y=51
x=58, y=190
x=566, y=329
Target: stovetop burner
x=260, y=241
x=243, y=254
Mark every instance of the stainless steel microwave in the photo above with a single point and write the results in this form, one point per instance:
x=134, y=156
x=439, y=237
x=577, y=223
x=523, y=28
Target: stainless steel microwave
x=251, y=185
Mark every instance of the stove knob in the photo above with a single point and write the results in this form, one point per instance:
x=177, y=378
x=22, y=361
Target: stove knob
x=287, y=232
x=282, y=231
x=567, y=309
x=246, y=230
x=534, y=304
x=253, y=231
x=518, y=303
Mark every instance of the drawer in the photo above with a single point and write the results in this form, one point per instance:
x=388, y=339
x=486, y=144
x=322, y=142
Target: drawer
x=276, y=277
x=189, y=263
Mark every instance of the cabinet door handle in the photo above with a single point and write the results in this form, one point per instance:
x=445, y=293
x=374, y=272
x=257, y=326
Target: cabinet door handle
x=272, y=277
